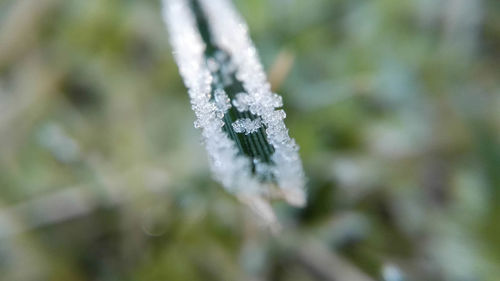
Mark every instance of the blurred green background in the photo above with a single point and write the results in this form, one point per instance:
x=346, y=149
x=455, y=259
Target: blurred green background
x=395, y=104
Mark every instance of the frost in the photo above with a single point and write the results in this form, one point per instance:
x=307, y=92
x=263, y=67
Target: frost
x=212, y=65
x=229, y=166
x=242, y=102
x=263, y=170
x=247, y=125
x=222, y=101
x=257, y=104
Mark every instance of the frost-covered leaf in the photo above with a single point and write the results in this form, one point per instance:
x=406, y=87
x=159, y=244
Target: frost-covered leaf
x=242, y=125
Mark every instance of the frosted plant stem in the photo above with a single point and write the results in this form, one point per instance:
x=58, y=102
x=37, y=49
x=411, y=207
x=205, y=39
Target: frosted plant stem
x=242, y=126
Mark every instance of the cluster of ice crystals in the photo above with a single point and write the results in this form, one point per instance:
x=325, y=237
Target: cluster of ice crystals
x=232, y=169
x=231, y=34
x=257, y=104
x=247, y=125
x=221, y=67
x=222, y=101
x=242, y=102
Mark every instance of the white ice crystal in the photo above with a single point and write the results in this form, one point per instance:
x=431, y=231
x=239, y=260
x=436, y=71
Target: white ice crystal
x=222, y=101
x=247, y=125
x=242, y=102
x=232, y=169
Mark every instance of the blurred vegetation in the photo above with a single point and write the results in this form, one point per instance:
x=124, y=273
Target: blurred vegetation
x=395, y=105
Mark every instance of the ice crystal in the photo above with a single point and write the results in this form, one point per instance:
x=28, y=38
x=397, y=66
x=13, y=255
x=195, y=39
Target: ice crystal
x=247, y=175
x=222, y=101
x=242, y=102
x=247, y=125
